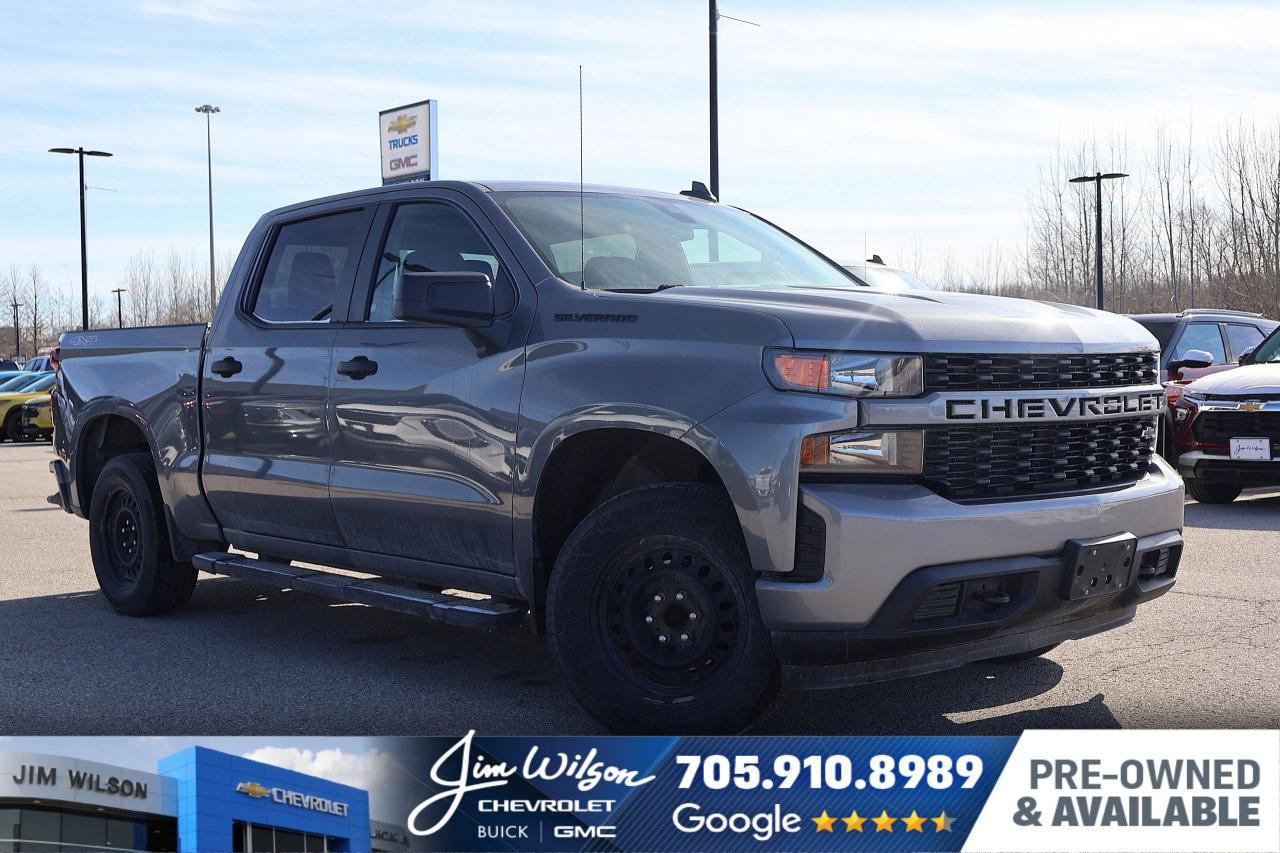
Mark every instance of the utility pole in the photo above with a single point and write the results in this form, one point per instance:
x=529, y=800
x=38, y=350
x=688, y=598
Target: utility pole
x=1097, y=180
x=17, y=333
x=209, y=110
x=119, y=291
x=84, y=252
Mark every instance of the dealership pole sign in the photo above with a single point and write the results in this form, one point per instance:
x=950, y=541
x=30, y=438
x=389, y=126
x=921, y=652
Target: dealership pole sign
x=407, y=136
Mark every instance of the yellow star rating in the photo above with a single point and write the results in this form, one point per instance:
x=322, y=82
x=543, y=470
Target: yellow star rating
x=914, y=822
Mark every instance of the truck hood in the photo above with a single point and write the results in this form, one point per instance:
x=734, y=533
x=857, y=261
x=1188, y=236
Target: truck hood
x=1249, y=379
x=930, y=321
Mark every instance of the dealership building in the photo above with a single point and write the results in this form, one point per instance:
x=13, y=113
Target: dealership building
x=197, y=800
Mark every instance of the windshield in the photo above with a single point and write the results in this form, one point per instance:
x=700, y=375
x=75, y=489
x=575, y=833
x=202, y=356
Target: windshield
x=1268, y=352
x=1161, y=330
x=641, y=243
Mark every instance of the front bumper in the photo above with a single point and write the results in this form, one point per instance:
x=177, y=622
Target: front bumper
x=886, y=544
x=1213, y=468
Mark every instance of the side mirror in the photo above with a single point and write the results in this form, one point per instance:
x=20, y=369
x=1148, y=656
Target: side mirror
x=1194, y=358
x=462, y=299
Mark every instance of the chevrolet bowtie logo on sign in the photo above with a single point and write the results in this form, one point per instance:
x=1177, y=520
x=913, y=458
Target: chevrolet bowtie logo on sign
x=293, y=798
x=402, y=123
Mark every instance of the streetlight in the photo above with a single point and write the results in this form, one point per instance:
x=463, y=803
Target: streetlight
x=1097, y=213
x=84, y=252
x=17, y=336
x=119, y=307
x=715, y=17
x=209, y=110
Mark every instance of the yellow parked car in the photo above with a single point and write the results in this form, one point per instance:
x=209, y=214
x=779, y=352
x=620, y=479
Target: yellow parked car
x=37, y=419
x=11, y=406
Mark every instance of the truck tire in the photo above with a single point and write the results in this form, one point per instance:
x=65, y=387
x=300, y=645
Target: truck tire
x=129, y=541
x=1213, y=493
x=652, y=615
x=13, y=427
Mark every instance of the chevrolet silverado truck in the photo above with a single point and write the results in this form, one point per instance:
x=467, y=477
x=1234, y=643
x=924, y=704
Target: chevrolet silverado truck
x=1227, y=427
x=698, y=454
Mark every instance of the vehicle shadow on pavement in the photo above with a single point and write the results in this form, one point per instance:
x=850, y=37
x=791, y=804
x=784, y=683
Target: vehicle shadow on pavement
x=1251, y=511
x=243, y=659
x=937, y=705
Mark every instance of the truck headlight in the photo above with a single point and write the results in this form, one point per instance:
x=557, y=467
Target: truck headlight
x=893, y=452
x=848, y=374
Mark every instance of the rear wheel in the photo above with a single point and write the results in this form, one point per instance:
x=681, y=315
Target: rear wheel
x=1213, y=493
x=652, y=616
x=130, y=543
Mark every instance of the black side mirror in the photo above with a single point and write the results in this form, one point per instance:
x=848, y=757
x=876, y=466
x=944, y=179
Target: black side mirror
x=462, y=299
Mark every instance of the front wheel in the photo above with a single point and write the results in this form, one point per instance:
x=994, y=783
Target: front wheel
x=1213, y=493
x=13, y=427
x=652, y=615
x=129, y=541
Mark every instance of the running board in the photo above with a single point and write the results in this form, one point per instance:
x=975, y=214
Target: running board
x=486, y=614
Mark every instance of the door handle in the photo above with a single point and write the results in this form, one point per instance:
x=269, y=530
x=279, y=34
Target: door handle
x=358, y=367
x=226, y=367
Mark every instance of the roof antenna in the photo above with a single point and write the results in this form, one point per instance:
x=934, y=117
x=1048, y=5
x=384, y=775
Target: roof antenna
x=582, y=216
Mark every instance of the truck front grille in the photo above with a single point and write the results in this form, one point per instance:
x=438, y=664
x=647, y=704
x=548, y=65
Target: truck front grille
x=1221, y=427
x=1012, y=372
x=977, y=463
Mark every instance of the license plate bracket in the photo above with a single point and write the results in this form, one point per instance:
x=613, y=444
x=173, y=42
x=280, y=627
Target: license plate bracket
x=1097, y=567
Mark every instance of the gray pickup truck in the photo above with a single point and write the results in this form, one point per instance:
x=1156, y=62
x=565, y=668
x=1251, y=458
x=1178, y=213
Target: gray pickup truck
x=708, y=462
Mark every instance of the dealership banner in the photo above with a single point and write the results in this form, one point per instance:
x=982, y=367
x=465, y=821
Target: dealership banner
x=1048, y=790
x=1066, y=790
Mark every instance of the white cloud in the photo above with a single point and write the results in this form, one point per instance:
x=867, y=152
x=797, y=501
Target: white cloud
x=364, y=770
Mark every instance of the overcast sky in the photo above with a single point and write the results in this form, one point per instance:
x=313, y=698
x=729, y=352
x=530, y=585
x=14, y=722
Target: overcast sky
x=904, y=124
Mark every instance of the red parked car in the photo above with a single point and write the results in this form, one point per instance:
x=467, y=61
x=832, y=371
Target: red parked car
x=1226, y=428
x=1199, y=342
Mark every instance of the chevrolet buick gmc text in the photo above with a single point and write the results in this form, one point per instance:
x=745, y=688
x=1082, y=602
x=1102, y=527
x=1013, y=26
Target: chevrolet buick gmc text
x=705, y=459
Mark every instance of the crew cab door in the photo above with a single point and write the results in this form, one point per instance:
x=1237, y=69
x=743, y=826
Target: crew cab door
x=425, y=415
x=266, y=376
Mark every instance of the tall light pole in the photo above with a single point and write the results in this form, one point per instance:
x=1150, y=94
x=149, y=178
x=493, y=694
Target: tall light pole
x=209, y=110
x=119, y=306
x=1097, y=221
x=17, y=335
x=84, y=252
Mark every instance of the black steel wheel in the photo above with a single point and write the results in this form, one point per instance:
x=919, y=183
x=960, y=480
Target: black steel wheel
x=129, y=541
x=671, y=617
x=121, y=530
x=652, y=616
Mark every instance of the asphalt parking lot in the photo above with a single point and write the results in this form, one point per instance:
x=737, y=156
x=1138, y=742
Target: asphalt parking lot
x=240, y=659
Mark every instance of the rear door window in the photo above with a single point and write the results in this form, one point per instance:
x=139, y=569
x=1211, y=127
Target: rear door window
x=309, y=271
x=1243, y=338
x=1201, y=336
